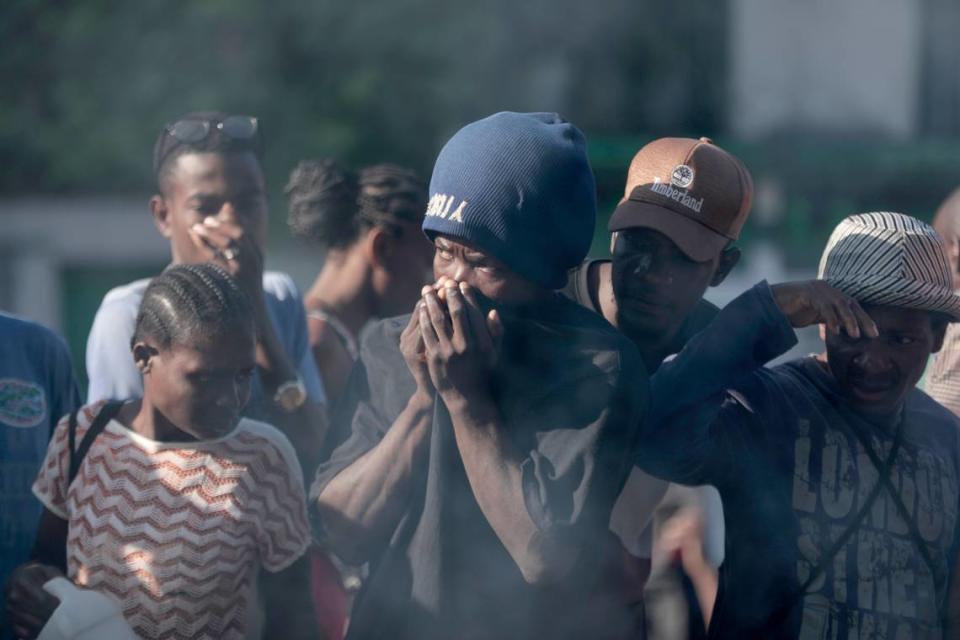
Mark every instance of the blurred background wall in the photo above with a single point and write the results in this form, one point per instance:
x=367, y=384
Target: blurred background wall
x=836, y=106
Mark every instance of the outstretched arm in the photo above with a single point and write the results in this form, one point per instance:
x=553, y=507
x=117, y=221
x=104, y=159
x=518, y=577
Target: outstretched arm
x=687, y=392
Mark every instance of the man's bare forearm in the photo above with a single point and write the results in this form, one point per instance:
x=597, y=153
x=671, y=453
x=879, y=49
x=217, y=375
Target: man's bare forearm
x=364, y=502
x=492, y=465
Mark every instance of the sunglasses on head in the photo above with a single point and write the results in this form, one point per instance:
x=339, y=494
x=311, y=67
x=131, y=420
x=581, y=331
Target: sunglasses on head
x=192, y=131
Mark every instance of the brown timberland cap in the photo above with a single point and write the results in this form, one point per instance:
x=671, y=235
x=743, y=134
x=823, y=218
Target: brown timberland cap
x=692, y=191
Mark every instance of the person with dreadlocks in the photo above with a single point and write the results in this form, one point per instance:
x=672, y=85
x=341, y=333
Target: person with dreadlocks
x=174, y=505
x=376, y=258
x=211, y=204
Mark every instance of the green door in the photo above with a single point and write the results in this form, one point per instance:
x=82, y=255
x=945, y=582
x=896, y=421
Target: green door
x=83, y=290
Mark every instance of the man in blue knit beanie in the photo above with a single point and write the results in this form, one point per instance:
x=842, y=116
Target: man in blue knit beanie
x=519, y=187
x=483, y=439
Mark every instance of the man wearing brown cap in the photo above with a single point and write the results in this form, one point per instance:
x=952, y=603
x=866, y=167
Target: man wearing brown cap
x=683, y=207
x=673, y=232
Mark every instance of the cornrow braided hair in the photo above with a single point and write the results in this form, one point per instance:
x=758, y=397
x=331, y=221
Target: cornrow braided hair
x=188, y=301
x=389, y=193
x=331, y=205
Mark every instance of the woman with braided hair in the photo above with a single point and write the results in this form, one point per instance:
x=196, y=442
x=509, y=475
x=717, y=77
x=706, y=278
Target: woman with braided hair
x=174, y=505
x=376, y=258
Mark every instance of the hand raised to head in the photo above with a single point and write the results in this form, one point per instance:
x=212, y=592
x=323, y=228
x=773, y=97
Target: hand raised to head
x=809, y=302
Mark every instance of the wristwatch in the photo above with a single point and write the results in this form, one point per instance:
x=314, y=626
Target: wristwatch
x=290, y=395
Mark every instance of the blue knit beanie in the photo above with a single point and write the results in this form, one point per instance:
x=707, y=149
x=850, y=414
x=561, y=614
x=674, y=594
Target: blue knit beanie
x=519, y=187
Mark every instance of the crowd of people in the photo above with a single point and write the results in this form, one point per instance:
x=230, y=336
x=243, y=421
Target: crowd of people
x=466, y=429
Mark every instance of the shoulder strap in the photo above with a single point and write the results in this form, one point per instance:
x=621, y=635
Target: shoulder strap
x=78, y=453
x=883, y=470
x=347, y=339
x=72, y=436
x=897, y=499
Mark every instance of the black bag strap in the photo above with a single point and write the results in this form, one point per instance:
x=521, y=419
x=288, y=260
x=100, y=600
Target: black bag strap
x=902, y=508
x=883, y=471
x=78, y=453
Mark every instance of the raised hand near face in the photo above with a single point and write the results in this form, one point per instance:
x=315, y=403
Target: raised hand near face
x=461, y=343
x=411, y=340
x=228, y=244
x=414, y=353
x=810, y=302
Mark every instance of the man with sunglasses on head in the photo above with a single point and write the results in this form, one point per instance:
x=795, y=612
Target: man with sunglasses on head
x=684, y=204
x=211, y=204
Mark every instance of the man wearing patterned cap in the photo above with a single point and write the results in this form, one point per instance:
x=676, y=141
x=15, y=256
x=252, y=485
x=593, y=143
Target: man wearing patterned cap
x=839, y=478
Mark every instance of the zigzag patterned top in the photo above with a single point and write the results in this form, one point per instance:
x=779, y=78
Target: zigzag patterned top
x=176, y=532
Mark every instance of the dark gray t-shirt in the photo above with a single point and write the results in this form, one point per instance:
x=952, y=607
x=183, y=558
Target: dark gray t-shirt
x=571, y=392
x=634, y=519
x=789, y=459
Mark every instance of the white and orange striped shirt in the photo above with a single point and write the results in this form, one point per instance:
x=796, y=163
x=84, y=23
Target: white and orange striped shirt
x=177, y=532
